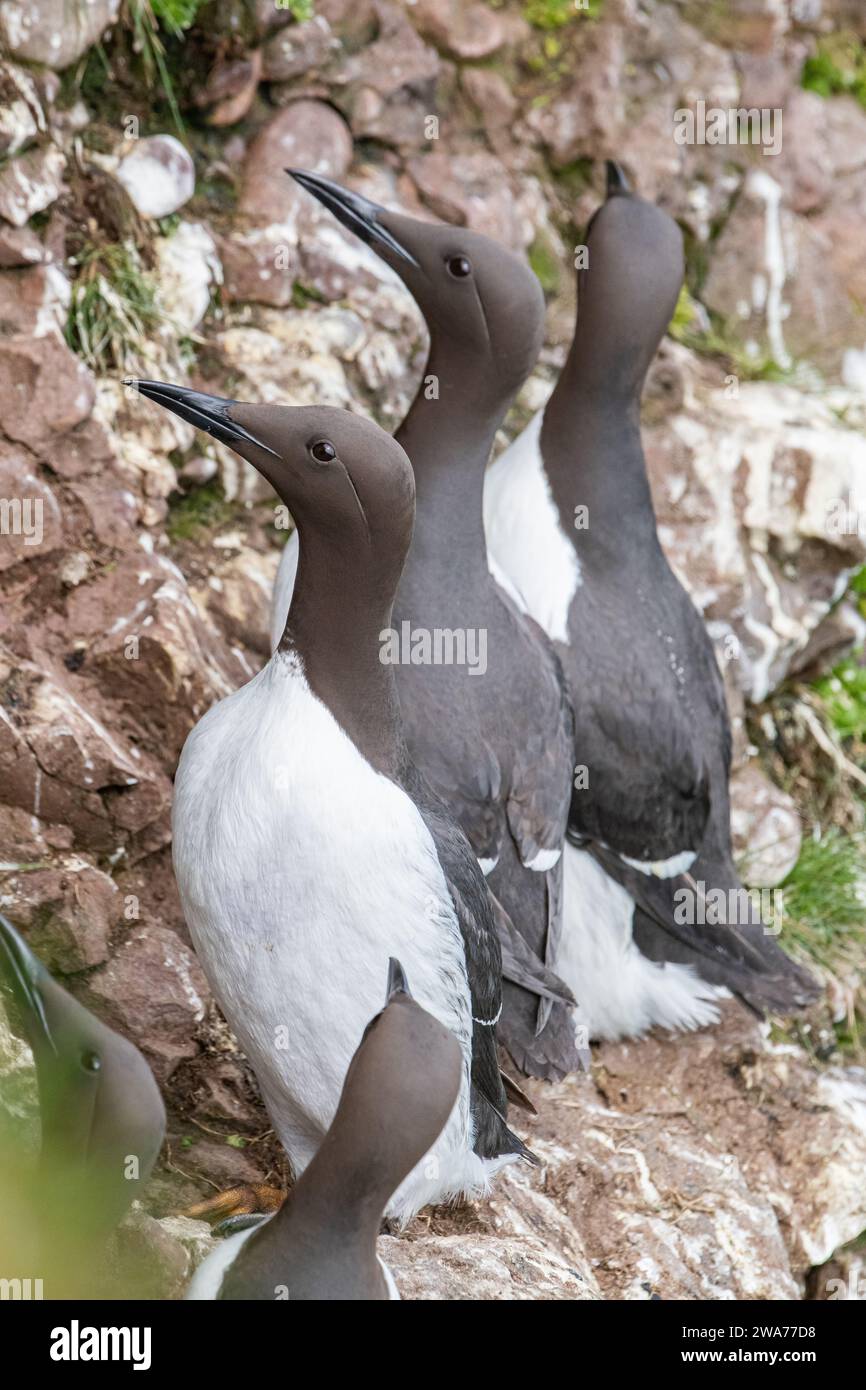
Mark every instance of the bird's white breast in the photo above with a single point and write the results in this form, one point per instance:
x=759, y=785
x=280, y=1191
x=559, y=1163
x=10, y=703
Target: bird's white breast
x=525, y=536
x=284, y=587
x=301, y=870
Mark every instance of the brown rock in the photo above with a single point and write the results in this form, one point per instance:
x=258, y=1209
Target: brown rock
x=67, y=912
x=472, y=190
x=491, y=94
x=750, y=24
x=298, y=50
x=33, y=301
x=588, y=118
x=230, y=89
x=227, y=1164
x=30, y=517
x=765, y=828
x=467, y=31
x=30, y=183
x=54, y=32
x=810, y=315
x=45, y=391
x=306, y=135
x=19, y=246
x=260, y=264
x=153, y=991
x=388, y=88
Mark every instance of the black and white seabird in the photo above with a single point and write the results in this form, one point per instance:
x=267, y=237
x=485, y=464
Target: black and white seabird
x=307, y=847
x=102, y=1122
x=398, y=1094
x=651, y=824
x=495, y=743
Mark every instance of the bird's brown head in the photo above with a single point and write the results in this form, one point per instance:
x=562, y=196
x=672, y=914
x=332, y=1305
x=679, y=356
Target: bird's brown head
x=479, y=299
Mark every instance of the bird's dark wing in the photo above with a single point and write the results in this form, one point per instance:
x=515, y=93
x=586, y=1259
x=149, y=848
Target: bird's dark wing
x=541, y=768
x=471, y=784
x=474, y=911
x=642, y=773
x=675, y=920
x=522, y=966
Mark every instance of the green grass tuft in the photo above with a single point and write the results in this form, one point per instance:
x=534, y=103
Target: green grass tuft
x=113, y=309
x=824, y=897
x=843, y=693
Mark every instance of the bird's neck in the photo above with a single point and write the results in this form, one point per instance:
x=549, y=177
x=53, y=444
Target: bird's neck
x=448, y=435
x=593, y=454
x=341, y=607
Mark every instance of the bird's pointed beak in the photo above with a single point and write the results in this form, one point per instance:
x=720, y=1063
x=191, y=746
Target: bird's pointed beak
x=24, y=977
x=616, y=179
x=208, y=413
x=397, y=982
x=357, y=213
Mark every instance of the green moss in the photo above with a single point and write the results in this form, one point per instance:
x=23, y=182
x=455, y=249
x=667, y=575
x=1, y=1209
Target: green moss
x=838, y=65
x=555, y=14
x=303, y=295
x=718, y=341
x=198, y=514
x=545, y=263
x=843, y=693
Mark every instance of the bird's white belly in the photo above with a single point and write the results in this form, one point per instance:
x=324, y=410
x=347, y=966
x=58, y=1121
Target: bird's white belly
x=301, y=870
x=619, y=991
x=525, y=536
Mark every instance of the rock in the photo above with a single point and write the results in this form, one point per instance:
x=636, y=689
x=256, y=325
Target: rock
x=299, y=49
x=765, y=828
x=306, y=135
x=31, y=517
x=260, y=264
x=750, y=24
x=158, y=174
x=752, y=283
x=188, y=270
x=230, y=1165
x=34, y=302
x=492, y=95
x=45, y=391
x=69, y=912
x=230, y=89
x=466, y=31
x=472, y=190
x=693, y=1167
x=587, y=119
x=54, y=32
x=387, y=88
x=154, y=992
x=760, y=500
x=30, y=183
x=21, y=114
x=19, y=246
x=238, y=594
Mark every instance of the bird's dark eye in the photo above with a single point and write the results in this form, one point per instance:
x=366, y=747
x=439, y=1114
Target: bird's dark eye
x=459, y=267
x=91, y=1061
x=323, y=451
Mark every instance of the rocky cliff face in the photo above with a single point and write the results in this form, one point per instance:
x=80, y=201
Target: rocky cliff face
x=135, y=566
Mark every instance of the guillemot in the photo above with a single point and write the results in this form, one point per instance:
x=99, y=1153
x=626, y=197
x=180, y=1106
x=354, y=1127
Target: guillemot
x=102, y=1122
x=308, y=849
x=569, y=516
x=496, y=744
x=398, y=1093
